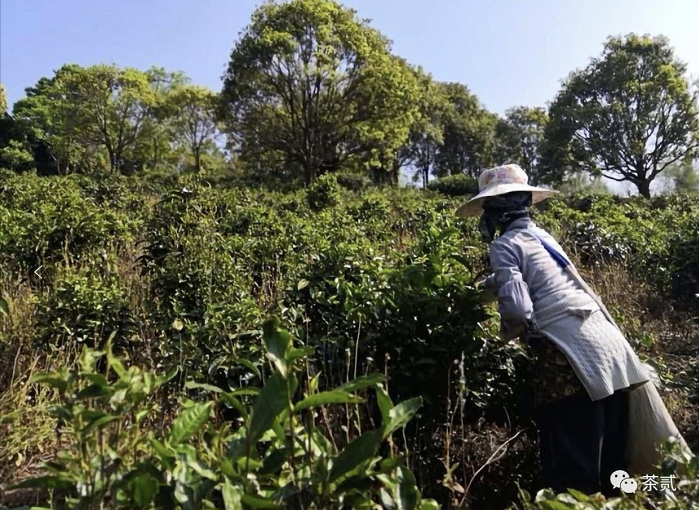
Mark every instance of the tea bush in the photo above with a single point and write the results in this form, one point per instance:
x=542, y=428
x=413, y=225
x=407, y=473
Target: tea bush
x=275, y=455
x=181, y=272
x=44, y=221
x=455, y=185
x=85, y=305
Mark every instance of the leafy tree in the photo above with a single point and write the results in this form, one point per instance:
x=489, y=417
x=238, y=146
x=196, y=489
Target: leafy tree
x=310, y=87
x=685, y=177
x=520, y=137
x=468, y=133
x=107, y=107
x=41, y=115
x=3, y=100
x=14, y=149
x=628, y=115
x=194, y=118
x=156, y=145
x=82, y=111
x=426, y=136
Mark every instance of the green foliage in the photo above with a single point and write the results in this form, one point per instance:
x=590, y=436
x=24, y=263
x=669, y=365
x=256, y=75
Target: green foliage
x=468, y=133
x=628, y=115
x=276, y=457
x=379, y=281
x=682, y=466
x=353, y=182
x=123, y=119
x=310, y=88
x=426, y=133
x=43, y=221
x=657, y=241
x=520, y=139
x=85, y=305
x=15, y=156
x=324, y=192
x=193, y=119
x=455, y=185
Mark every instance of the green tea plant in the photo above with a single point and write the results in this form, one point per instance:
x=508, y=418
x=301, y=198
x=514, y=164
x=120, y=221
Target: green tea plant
x=684, y=496
x=276, y=454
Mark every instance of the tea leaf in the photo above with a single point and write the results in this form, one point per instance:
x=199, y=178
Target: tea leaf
x=43, y=482
x=278, y=342
x=361, y=449
x=190, y=385
x=407, y=489
x=325, y=398
x=255, y=502
x=188, y=423
x=362, y=382
x=250, y=366
x=4, y=307
x=99, y=424
x=145, y=488
x=385, y=405
x=93, y=391
x=269, y=403
x=401, y=414
x=50, y=379
x=232, y=496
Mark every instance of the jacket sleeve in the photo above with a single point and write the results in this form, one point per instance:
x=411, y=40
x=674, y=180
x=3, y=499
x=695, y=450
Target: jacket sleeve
x=514, y=302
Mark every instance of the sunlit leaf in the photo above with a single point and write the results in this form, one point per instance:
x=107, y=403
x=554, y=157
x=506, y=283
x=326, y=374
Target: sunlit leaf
x=361, y=449
x=362, y=382
x=401, y=414
x=269, y=403
x=188, y=422
x=326, y=398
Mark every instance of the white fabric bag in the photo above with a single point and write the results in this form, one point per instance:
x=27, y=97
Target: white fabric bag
x=649, y=425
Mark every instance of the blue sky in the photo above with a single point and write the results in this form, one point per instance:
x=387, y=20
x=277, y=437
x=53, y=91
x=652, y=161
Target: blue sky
x=509, y=52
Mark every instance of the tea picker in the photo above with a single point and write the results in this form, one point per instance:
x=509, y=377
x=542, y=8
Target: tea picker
x=596, y=407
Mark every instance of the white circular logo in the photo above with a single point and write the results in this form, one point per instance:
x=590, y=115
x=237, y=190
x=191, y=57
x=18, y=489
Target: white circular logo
x=617, y=477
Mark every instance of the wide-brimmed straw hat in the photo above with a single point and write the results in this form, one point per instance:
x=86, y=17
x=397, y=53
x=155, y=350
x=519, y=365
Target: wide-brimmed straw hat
x=499, y=181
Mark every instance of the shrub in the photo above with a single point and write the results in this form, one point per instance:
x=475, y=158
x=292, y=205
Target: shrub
x=324, y=192
x=455, y=185
x=272, y=456
x=86, y=305
x=48, y=219
x=353, y=182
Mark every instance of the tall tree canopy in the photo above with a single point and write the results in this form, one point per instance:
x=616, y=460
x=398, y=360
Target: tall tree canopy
x=468, y=133
x=193, y=114
x=310, y=87
x=125, y=119
x=3, y=99
x=82, y=111
x=628, y=115
x=520, y=139
x=419, y=152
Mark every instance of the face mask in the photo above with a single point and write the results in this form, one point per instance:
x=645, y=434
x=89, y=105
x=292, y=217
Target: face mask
x=487, y=228
x=500, y=211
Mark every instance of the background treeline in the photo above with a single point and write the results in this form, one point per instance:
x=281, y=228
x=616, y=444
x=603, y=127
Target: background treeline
x=311, y=89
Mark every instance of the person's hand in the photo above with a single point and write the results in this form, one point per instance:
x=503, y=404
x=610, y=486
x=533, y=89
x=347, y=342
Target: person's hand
x=486, y=292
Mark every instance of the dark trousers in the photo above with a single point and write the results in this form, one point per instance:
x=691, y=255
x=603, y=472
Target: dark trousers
x=582, y=442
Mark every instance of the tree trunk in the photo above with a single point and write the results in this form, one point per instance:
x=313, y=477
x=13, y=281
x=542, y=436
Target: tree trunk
x=644, y=188
x=308, y=173
x=197, y=160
